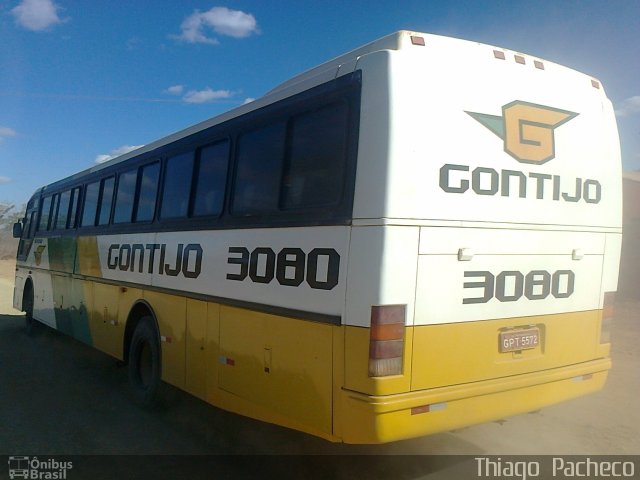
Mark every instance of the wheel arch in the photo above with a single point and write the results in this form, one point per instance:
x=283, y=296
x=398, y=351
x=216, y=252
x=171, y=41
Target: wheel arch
x=28, y=286
x=139, y=310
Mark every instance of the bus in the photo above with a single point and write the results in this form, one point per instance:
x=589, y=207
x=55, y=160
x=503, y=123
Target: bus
x=419, y=235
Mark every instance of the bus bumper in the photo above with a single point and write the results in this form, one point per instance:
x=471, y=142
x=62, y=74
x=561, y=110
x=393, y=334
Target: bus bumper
x=380, y=419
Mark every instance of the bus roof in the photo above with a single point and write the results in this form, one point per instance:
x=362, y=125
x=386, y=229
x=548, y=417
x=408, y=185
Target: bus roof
x=324, y=72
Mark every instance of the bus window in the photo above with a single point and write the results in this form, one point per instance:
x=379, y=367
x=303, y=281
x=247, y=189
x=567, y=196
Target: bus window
x=257, y=179
x=54, y=211
x=30, y=226
x=124, y=196
x=27, y=234
x=212, y=178
x=148, y=193
x=177, y=182
x=106, y=199
x=63, y=210
x=43, y=224
x=315, y=168
x=75, y=201
x=90, y=204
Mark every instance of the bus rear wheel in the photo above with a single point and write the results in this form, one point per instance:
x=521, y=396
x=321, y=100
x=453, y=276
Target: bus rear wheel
x=144, y=364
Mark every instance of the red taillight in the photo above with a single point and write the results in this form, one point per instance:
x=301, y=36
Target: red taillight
x=607, y=317
x=386, y=340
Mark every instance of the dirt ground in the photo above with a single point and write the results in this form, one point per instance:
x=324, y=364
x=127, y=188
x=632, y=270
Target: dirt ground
x=7, y=274
x=53, y=373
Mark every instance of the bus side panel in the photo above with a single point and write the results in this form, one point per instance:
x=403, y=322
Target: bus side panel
x=197, y=340
x=212, y=353
x=103, y=315
x=18, y=289
x=382, y=271
x=170, y=311
x=613, y=249
x=280, y=363
x=72, y=316
x=43, y=306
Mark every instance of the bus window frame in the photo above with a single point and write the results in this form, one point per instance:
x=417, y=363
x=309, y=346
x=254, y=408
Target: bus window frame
x=346, y=88
x=136, y=198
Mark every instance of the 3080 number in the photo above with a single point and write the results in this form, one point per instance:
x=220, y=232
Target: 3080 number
x=290, y=266
x=535, y=285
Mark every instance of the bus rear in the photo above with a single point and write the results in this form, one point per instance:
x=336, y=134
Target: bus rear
x=489, y=188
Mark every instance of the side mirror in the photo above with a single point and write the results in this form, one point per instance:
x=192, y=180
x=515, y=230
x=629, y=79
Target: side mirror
x=17, y=230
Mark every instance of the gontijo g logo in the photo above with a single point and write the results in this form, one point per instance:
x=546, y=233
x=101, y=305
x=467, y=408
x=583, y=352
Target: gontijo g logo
x=528, y=133
x=527, y=129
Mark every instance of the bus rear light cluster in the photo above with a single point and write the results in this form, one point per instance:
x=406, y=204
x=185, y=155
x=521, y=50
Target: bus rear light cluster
x=386, y=340
x=607, y=316
x=500, y=55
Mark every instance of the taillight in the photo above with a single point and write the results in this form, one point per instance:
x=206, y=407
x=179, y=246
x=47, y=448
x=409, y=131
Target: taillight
x=386, y=341
x=607, y=317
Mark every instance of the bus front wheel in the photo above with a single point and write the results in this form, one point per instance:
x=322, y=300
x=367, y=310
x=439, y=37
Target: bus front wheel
x=144, y=364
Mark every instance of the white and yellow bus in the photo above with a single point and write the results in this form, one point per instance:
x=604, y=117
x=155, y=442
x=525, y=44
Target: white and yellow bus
x=418, y=235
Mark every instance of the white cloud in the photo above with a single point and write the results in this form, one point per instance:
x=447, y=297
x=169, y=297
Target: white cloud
x=116, y=153
x=4, y=179
x=175, y=90
x=133, y=43
x=630, y=106
x=248, y=100
x=36, y=15
x=206, y=96
x=7, y=132
x=232, y=23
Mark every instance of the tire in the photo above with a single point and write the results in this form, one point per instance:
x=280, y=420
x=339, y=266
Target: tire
x=145, y=371
x=27, y=307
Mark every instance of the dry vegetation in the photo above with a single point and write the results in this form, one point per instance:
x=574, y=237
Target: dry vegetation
x=8, y=245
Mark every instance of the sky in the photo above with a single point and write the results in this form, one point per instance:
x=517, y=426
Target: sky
x=82, y=81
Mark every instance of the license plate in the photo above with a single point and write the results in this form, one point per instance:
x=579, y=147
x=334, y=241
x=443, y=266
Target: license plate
x=515, y=340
